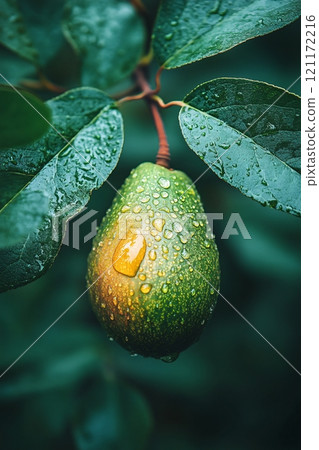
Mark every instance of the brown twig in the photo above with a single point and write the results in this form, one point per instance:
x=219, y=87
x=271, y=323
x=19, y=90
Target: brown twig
x=43, y=83
x=138, y=5
x=49, y=85
x=163, y=154
x=160, y=102
x=125, y=93
x=146, y=89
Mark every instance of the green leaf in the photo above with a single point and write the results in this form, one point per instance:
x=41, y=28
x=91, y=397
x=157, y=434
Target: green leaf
x=113, y=415
x=108, y=36
x=246, y=139
x=43, y=22
x=15, y=68
x=61, y=173
x=20, y=117
x=13, y=32
x=75, y=353
x=187, y=31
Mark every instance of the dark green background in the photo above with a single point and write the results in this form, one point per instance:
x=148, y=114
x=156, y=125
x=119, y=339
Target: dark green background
x=230, y=391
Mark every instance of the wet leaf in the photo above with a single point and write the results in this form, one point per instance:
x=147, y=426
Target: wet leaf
x=13, y=31
x=108, y=36
x=247, y=141
x=43, y=22
x=187, y=31
x=20, y=119
x=61, y=170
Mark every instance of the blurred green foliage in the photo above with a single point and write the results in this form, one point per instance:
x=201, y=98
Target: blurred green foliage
x=20, y=123
x=230, y=391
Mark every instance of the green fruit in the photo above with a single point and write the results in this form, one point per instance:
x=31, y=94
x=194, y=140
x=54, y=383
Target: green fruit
x=152, y=258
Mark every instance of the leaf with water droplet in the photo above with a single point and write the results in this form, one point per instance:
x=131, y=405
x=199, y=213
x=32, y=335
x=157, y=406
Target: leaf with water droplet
x=256, y=138
x=190, y=31
x=56, y=178
x=108, y=36
x=13, y=31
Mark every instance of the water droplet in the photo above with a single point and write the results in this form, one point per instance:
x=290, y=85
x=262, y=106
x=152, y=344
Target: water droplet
x=183, y=239
x=145, y=199
x=165, y=288
x=185, y=254
x=139, y=189
x=207, y=244
x=137, y=209
x=168, y=36
x=129, y=254
x=145, y=288
x=164, y=194
x=112, y=316
x=152, y=255
x=142, y=276
x=164, y=249
x=168, y=234
x=177, y=227
x=158, y=224
x=271, y=126
x=125, y=209
x=170, y=358
x=164, y=183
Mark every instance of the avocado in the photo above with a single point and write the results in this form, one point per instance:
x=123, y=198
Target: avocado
x=151, y=262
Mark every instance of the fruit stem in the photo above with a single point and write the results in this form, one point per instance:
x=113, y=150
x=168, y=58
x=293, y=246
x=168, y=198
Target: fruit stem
x=163, y=155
